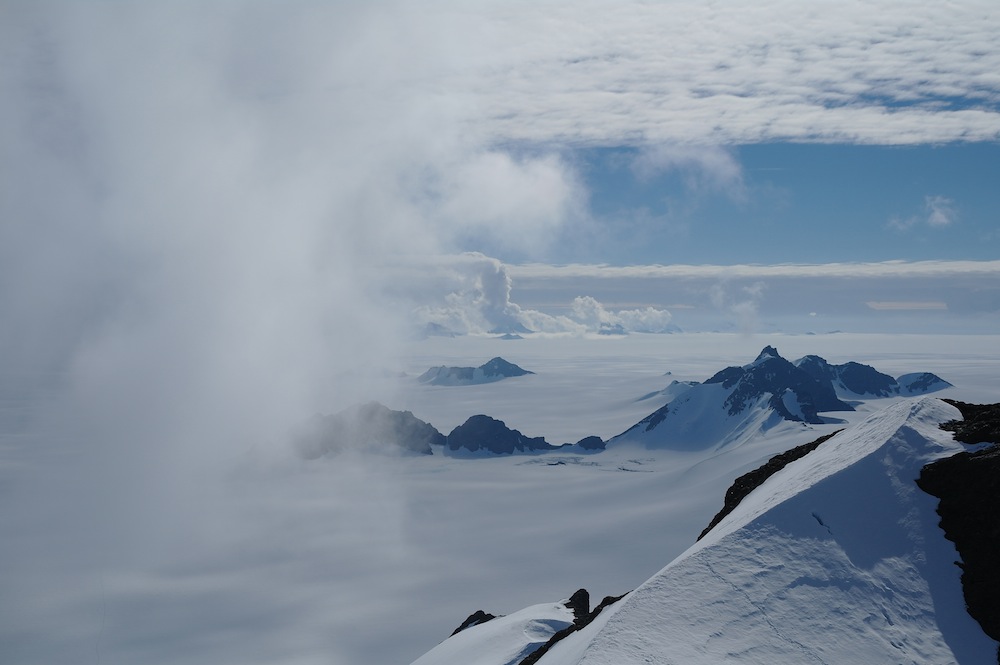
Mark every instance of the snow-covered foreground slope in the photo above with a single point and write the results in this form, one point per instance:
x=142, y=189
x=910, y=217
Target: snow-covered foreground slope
x=837, y=558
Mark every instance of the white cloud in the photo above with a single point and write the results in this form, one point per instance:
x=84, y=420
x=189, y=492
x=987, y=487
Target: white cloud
x=880, y=269
x=741, y=302
x=471, y=293
x=941, y=211
x=707, y=169
x=514, y=203
x=737, y=73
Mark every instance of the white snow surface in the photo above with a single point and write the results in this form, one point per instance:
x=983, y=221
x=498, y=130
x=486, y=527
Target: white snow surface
x=503, y=640
x=836, y=558
x=699, y=419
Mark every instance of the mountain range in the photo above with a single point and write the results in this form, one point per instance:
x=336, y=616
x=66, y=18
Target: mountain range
x=733, y=405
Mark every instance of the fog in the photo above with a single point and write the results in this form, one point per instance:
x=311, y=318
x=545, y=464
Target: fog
x=198, y=204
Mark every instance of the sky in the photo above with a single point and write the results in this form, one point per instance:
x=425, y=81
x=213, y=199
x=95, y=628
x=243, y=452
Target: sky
x=165, y=158
x=217, y=217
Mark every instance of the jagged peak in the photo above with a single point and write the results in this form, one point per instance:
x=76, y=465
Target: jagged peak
x=767, y=353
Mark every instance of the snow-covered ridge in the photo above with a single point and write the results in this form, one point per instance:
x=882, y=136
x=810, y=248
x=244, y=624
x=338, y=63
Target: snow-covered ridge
x=837, y=558
x=738, y=403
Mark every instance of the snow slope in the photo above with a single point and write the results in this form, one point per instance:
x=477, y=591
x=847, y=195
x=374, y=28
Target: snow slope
x=506, y=639
x=835, y=559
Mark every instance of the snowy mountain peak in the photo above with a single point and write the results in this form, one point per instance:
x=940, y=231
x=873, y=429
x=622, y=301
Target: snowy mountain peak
x=766, y=353
x=735, y=403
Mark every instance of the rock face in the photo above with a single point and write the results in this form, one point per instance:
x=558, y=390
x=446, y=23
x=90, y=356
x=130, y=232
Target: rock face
x=493, y=370
x=852, y=377
x=474, y=619
x=484, y=434
x=968, y=485
x=856, y=380
x=372, y=426
x=770, y=373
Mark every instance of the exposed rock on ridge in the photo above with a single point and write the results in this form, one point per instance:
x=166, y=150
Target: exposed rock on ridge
x=770, y=373
x=968, y=485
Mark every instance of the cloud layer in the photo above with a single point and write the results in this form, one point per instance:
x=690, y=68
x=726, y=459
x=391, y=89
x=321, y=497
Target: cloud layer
x=614, y=73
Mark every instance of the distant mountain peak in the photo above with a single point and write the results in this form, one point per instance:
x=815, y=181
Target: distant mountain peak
x=481, y=433
x=494, y=369
x=369, y=426
x=766, y=353
x=737, y=401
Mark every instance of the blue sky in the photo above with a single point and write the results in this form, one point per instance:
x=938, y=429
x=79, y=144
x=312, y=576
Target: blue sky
x=798, y=203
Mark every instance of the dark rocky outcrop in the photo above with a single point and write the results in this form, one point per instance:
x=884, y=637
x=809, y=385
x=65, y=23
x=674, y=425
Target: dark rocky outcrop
x=854, y=377
x=770, y=373
x=968, y=486
x=980, y=422
x=371, y=426
x=591, y=443
x=490, y=371
x=579, y=602
x=474, y=619
x=748, y=482
x=482, y=433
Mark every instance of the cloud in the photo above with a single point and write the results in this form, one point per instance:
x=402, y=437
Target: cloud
x=744, y=305
x=594, y=316
x=513, y=203
x=712, y=297
x=722, y=74
x=908, y=305
x=707, y=169
x=471, y=293
x=939, y=212
x=881, y=269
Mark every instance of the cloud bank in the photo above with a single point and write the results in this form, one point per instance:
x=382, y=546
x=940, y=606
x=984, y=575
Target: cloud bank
x=471, y=294
x=633, y=73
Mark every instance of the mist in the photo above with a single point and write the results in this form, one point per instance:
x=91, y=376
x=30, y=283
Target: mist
x=198, y=204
